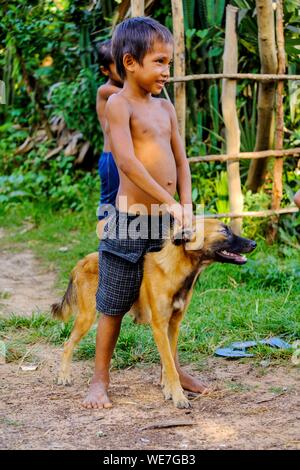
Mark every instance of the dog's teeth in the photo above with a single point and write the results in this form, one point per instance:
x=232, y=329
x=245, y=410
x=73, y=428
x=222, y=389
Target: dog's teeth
x=227, y=253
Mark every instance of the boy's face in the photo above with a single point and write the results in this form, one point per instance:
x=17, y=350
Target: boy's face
x=155, y=70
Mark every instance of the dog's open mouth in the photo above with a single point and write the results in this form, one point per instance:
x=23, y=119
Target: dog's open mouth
x=230, y=257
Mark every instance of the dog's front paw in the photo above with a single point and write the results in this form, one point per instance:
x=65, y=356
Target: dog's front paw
x=64, y=380
x=167, y=392
x=180, y=400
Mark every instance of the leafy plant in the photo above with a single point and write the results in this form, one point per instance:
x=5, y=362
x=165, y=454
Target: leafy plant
x=53, y=180
x=75, y=101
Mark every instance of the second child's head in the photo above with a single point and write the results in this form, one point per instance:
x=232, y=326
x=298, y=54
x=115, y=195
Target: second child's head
x=106, y=61
x=142, y=50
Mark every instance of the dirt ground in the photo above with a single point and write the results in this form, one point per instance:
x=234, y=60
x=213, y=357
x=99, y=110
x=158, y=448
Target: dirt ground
x=256, y=407
x=245, y=414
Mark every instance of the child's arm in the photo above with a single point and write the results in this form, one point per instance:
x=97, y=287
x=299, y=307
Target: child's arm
x=103, y=93
x=184, y=183
x=118, y=117
x=106, y=90
x=297, y=198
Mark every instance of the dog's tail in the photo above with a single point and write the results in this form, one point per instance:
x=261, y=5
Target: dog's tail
x=68, y=305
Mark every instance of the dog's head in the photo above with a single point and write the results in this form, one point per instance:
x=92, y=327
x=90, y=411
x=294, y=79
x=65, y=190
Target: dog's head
x=215, y=241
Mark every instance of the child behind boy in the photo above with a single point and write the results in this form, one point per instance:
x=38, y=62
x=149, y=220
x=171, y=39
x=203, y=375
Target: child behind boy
x=297, y=198
x=107, y=168
x=144, y=138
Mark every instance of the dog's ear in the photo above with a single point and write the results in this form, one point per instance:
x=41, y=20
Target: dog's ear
x=182, y=236
x=197, y=241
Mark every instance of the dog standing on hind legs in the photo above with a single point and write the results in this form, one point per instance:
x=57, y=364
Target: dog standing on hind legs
x=168, y=279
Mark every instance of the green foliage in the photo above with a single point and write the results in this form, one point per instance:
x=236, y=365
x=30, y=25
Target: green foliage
x=267, y=271
x=47, y=56
x=222, y=192
x=76, y=102
x=37, y=179
x=247, y=116
x=42, y=45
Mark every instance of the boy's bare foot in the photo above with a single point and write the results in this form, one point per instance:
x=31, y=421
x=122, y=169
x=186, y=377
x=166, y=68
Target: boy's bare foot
x=97, y=396
x=192, y=384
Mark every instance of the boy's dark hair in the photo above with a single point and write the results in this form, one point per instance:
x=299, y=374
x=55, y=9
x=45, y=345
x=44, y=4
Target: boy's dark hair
x=104, y=53
x=136, y=36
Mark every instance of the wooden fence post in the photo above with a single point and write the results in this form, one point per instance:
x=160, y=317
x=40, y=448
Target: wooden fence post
x=179, y=64
x=137, y=8
x=230, y=61
x=278, y=164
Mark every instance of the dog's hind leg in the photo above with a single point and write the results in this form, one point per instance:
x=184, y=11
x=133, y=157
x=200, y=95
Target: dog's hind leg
x=86, y=304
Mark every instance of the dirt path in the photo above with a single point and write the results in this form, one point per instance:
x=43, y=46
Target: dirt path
x=257, y=408
x=25, y=286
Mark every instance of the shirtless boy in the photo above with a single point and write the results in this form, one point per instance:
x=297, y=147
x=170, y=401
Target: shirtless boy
x=108, y=171
x=152, y=164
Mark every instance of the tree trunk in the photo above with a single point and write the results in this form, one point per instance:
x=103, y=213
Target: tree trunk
x=230, y=61
x=266, y=91
x=179, y=64
x=278, y=164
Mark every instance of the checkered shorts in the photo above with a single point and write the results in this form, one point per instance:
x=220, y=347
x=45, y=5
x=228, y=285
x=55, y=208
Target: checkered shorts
x=126, y=240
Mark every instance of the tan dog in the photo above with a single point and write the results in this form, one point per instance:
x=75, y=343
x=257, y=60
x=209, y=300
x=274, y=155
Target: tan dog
x=165, y=293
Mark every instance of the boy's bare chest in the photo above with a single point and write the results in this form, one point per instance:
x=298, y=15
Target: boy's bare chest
x=150, y=123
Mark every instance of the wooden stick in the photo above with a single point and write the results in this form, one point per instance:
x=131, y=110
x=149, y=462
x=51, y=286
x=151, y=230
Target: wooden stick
x=230, y=64
x=295, y=152
x=265, y=213
x=166, y=94
x=179, y=64
x=168, y=424
x=279, y=132
x=137, y=8
x=260, y=77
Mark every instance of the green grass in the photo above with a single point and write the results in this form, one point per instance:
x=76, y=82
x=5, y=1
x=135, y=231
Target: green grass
x=230, y=303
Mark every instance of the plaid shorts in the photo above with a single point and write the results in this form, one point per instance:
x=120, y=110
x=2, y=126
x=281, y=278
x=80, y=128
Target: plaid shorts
x=126, y=240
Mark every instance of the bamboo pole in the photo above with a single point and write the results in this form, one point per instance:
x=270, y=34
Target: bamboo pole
x=266, y=213
x=278, y=164
x=230, y=60
x=261, y=77
x=137, y=8
x=295, y=152
x=179, y=64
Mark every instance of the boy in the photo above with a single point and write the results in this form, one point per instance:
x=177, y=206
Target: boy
x=151, y=160
x=108, y=171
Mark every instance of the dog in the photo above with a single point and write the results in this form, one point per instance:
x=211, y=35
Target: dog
x=167, y=285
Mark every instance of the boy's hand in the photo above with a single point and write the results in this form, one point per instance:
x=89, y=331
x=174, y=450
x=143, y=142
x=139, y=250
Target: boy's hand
x=176, y=210
x=188, y=216
x=183, y=224
x=183, y=215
